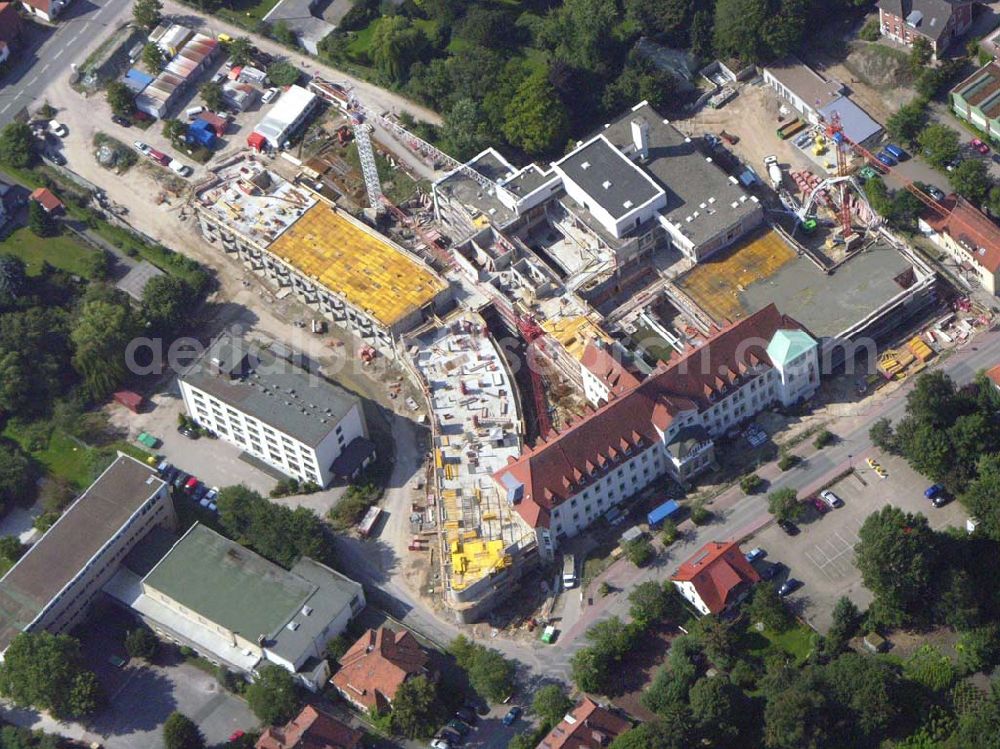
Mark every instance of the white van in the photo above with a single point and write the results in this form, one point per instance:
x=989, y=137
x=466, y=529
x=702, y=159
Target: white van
x=194, y=112
x=182, y=169
x=569, y=571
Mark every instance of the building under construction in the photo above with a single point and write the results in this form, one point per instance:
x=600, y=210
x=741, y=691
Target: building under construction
x=476, y=429
x=300, y=241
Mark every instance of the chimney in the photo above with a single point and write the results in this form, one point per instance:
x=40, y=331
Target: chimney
x=640, y=137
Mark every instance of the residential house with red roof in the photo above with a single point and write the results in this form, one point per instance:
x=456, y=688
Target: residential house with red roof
x=376, y=665
x=47, y=200
x=586, y=726
x=969, y=237
x=47, y=10
x=664, y=425
x=940, y=22
x=716, y=578
x=311, y=729
x=993, y=375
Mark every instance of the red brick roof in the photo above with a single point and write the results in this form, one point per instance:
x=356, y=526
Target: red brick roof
x=219, y=124
x=970, y=227
x=717, y=571
x=311, y=729
x=555, y=469
x=375, y=666
x=10, y=22
x=588, y=726
x=45, y=198
x=994, y=375
x=608, y=370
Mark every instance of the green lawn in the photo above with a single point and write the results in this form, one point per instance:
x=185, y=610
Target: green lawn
x=65, y=251
x=796, y=641
x=63, y=457
x=246, y=12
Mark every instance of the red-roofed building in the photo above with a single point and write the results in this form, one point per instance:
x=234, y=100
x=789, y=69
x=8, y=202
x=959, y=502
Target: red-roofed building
x=311, y=729
x=716, y=578
x=219, y=124
x=586, y=726
x=662, y=425
x=47, y=200
x=47, y=10
x=375, y=667
x=994, y=376
x=969, y=237
x=604, y=376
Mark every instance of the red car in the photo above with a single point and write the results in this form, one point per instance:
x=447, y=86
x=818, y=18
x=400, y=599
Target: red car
x=190, y=484
x=821, y=507
x=979, y=146
x=236, y=735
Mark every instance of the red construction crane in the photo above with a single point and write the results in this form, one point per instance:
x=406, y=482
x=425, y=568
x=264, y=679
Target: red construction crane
x=835, y=132
x=533, y=335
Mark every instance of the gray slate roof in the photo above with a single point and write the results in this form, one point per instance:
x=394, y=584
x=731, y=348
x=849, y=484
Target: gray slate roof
x=301, y=404
x=933, y=14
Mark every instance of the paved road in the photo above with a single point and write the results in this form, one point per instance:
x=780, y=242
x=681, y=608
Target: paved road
x=51, y=51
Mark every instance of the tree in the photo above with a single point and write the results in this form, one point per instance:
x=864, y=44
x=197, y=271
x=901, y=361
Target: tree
x=147, y=13
x=336, y=648
x=16, y=141
x=784, y=504
x=896, y=554
x=921, y=52
x=13, y=279
x=120, y=98
x=650, y=602
x=211, y=94
x=935, y=401
x=666, y=17
x=283, y=34
x=180, y=732
x=978, y=649
x=665, y=734
x=141, y=643
x=488, y=27
x=639, y=551
x=980, y=496
x=702, y=25
x=882, y=436
x=907, y=122
x=102, y=331
x=45, y=671
x=715, y=704
x=795, y=718
x=551, y=704
x=536, y=120
x=282, y=73
x=464, y=131
x=767, y=607
x=939, y=144
x=240, y=50
x=174, y=131
x=739, y=29
x=868, y=688
x=846, y=618
x=167, y=303
x=152, y=57
x=15, y=382
x=40, y=221
x=491, y=675
x=272, y=695
x=581, y=34
x=668, y=532
x=415, y=710
x=17, y=475
x=396, y=44
x=716, y=638
x=971, y=180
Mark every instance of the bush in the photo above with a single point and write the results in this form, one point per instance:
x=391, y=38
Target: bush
x=141, y=643
x=930, y=667
x=604, y=590
x=870, y=32
x=354, y=504
x=824, y=438
x=784, y=504
x=701, y=515
x=272, y=696
x=787, y=460
x=751, y=483
x=668, y=532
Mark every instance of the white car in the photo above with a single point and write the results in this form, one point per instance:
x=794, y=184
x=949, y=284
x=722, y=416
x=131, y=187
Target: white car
x=57, y=128
x=270, y=95
x=141, y=147
x=831, y=499
x=182, y=169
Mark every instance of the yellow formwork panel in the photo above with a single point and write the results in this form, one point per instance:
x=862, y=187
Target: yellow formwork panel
x=474, y=559
x=573, y=333
x=357, y=264
x=716, y=283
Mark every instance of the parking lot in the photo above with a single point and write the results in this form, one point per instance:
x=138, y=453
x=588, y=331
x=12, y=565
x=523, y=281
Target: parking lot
x=821, y=557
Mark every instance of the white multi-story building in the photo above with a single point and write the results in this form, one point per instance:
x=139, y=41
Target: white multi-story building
x=52, y=585
x=293, y=420
x=663, y=425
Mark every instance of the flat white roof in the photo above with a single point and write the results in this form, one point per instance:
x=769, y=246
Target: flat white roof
x=284, y=113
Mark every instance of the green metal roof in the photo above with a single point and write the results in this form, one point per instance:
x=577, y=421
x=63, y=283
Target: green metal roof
x=227, y=584
x=787, y=345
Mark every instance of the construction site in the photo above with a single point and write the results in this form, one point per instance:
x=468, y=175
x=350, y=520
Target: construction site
x=476, y=427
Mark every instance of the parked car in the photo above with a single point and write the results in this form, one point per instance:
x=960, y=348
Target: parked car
x=182, y=169
x=170, y=474
x=270, y=95
x=119, y=120
x=141, y=147
x=57, y=128
x=191, y=484
x=458, y=726
x=188, y=432
x=440, y=743
x=788, y=527
x=199, y=493
x=821, y=506
x=952, y=165
x=771, y=570
x=236, y=735
x=935, y=193
x=885, y=158
x=511, y=717
x=180, y=479
x=467, y=714
x=211, y=494
x=979, y=146
x=937, y=495
x=754, y=553
x=895, y=151
x=56, y=158
x=831, y=499
x=789, y=586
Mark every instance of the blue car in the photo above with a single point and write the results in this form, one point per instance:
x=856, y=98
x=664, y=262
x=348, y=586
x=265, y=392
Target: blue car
x=895, y=151
x=512, y=715
x=932, y=491
x=885, y=158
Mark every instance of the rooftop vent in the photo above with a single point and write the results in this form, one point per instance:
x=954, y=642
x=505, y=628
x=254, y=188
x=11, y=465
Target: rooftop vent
x=627, y=204
x=292, y=626
x=606, y=184
x=585, y=165
x=306, y=610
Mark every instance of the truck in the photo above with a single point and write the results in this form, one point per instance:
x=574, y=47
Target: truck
x=773, y=170
x=662, y=512
x=569, y=571
x=368, y=522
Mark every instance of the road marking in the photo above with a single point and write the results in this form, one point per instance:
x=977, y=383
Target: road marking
x=75, y=37
x=98, y=13
x=33, y=81
x=5, y=109
x=46, y=67
x=58, y=54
